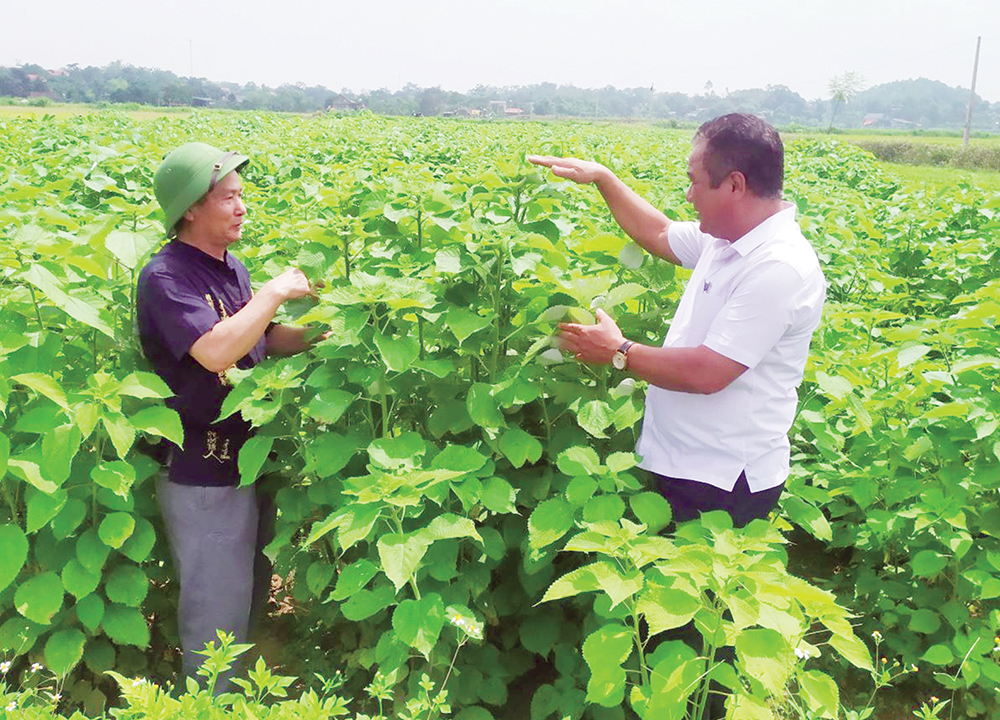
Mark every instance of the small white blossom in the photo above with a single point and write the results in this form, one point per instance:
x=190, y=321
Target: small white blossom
x=5, y=667
x=11, y=707
x=35, y=667
x=801, y=653
x=877, y=635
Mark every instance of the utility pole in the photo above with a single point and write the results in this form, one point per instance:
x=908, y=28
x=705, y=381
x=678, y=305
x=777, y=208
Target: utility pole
x=972, y=96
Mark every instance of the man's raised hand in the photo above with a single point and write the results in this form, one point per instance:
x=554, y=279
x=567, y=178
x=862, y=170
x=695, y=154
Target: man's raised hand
x=291, y=284
x=580, y=171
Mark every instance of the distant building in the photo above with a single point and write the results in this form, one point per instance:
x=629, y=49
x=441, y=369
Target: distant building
x=342, y=103
x=202, y=102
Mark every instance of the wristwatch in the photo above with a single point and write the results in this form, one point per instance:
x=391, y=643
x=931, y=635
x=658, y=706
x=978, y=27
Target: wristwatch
x=620, y=359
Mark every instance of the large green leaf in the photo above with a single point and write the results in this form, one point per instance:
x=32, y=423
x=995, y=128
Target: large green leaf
x=605, y=650
x=63, y=651
x=76, y=308
x=652, y=509
x=44, y=385
x=159, y=420
x=125, y=626
x=400, y=556
x=519, y=447
x=398, y=354
x=252, y=456
x=78, y=580
x=120, y=430
x=130, y=248
x=40, y=597
x=595, y=417
x=15, y=552
x=127, y=585
x=821, y=693
x=42, y=507
x=550, y=520
x=767, y=656
x=328, y=405
x=464, y=323
x=116, y=475
x=418, y=623
x=144, y=385
x=140, y=542
x=482, y=406
x=667, y=608
x=90, y=611
x=116, y=528
x=353, y=578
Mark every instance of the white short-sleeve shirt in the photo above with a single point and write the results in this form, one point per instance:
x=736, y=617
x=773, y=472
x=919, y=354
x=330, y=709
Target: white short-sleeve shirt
x=756, y=301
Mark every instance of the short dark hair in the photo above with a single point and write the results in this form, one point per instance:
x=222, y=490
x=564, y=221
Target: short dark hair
x=744, y=143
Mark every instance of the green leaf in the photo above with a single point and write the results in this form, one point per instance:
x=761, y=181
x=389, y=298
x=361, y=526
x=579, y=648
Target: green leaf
x=117, y=476
x=498, y=495
x=652, y=510
x=766, y=656
x=836, y=387
x=938, y=655
x=460, y=458
x=252, y=456
x=851, y=649
x=328, y=454
x=398, y=353
x=519, y=447
x=578, y=460
x=550, y=520
x=129, y=248
x=580, y=490
x=116, y=528
x=159, y=420
x=144, y=385
x=464, y=323
x=402, y=451
x=925, y=620
x=90, y=611
x=603, y=508
x=604, y=651
x=365, y=603
x=121, y=432
x=4, y=452
x=808, y=517
x=482, y=407
x=44, y=385
x=447, y=527
x=909, y=355
x=31, y=474
x=127, y=585
x=59, y=446
x=63, y=651
x=125, y=626
x=91, y=551
x=667, y=608
x=76, y=308
x=400, y=556
x=353, y=578
x=15, y=552
x=78, y=580
x=928, y=563
x=318, y=576
x=595, y=417
x=821, y=693
x=68, y=519
x=40, y=597
x=140, y=542
x=42, y=507
x=418, y=623
x=329, y=405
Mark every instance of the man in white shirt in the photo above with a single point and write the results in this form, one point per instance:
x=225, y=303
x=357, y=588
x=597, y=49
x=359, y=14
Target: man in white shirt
x=723, y=385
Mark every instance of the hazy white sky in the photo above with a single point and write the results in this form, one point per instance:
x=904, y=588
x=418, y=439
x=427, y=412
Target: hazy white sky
x=673, y=45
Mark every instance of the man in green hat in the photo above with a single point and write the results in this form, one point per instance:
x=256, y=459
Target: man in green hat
x=198, y=317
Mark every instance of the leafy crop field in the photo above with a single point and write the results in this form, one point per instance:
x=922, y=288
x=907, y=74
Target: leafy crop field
x=462, y=531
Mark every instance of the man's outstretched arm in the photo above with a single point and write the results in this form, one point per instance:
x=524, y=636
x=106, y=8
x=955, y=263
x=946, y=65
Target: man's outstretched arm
x=636, y=216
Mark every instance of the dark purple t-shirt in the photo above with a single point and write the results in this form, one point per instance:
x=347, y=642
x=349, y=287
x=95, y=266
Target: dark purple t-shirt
x=182, y=293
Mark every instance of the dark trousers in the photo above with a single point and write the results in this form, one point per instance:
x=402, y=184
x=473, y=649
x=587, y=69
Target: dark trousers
x=689, y=499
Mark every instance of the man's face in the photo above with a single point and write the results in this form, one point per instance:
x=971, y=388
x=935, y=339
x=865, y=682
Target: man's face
x=711, y=204
x=219, y=216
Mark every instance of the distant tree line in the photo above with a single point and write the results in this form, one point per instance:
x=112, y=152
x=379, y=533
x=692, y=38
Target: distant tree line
x=908, y=103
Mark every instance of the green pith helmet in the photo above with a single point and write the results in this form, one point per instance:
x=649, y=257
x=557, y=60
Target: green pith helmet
x=188, y=173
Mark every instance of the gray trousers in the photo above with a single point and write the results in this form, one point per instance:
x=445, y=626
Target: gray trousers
x=216, y=537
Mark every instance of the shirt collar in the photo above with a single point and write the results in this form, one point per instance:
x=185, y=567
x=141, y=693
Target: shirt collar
x=190, y=251
x=753, y=239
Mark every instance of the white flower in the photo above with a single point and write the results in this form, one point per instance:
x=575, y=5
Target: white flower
x=4, y=667
x=877, y=635
x=35, y=667
x=12, y=706
x=801, y=653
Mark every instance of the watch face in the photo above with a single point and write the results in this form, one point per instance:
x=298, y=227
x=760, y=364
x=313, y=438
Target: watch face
x=618, y=360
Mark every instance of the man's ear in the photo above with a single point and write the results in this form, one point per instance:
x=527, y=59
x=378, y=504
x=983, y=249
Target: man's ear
x=737, y=182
